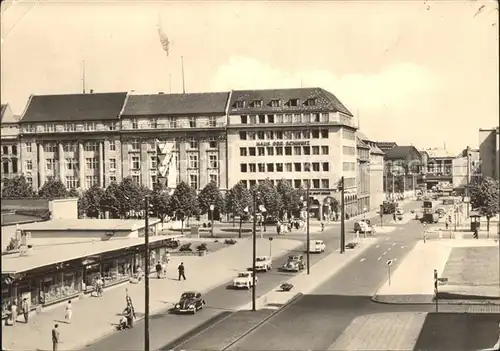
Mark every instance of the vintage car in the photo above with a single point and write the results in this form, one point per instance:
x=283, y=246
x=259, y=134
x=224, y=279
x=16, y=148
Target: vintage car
x=263, y=263
x=295, y=263
x=244, y=280
x=190, y=301
x=363, y=226
x=317, y=246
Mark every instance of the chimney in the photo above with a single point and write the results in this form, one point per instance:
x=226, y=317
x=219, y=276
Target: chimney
x=91, y=91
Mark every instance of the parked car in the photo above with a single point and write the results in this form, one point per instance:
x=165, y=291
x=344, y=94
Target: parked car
x=190, y=301
x=244, y=280
x=172, y=244
x=362, y=227
x=317, y=246
x=263, y=263
x=295, y=263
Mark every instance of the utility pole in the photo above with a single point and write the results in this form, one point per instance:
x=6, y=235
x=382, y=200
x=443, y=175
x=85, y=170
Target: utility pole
x=308, y=231
x=254, y=249
x=146, y=278
x=342, y=220
x=468, y=182
x=183, y=84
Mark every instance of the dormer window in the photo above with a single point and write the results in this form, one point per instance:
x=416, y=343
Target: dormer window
x=293, y=102
x=311, y=102
x=239, y=104
x=275, y=103
x=257, y=103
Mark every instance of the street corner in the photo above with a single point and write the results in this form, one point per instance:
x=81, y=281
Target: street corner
x=382, y=331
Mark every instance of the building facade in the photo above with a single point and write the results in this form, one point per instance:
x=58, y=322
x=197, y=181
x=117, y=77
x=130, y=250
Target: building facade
x=489, y=151
x=363, y=175
x=466, y=169
x=10, y=143
x=304, y=136
x=403, y=168
x=439, y=170
x=376, y=173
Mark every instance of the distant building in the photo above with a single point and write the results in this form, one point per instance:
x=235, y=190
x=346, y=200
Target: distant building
x=10, y=143
x=375, y=173
x=385, y=145
x=466, y=165
x=439, y=167
x=405, y=163
x=489, y=144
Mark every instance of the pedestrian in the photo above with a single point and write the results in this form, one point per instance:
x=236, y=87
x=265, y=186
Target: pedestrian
x=322, y=226
x=129, y=314
x=69, y=312
x=446, y=224
x=278, y=227
x=163, y=270
x=26, y=309
x=13, y=312
x=476, y=233
x=99, y=286
x=181, y=270
x=158, y=270
x=55, y=338
x=139, y=273
x=394, y=216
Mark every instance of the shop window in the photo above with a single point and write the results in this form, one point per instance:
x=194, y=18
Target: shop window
x=59, y=287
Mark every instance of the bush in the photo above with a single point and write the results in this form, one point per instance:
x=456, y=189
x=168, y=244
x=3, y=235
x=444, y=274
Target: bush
x=13, y=244
x=202, y=247
x=185, y=247
x=230, y=241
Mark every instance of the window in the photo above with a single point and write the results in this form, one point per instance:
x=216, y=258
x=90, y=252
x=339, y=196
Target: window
x=49, y=128
x=244, y=119
x=14, y=166
x=193, y=143
x=213, y=178
x=297, y=183
x=135, y=124
x=192, y=122
x=325, y=118
x=243, y=151
x=279, y=167
x=239, y=104
x=69, y=147
x=348, y=134
x=278, y=118
x=153, y=162
x=324, y=133
x=261, y=167
x=69, y=127
x=325, y=183
x=253, y=119
x=307, y=150
x=325, y=166
x=315, y=150
x=324, y=150
x=112, y=145
x=257, y=103
x=348, y=150
x=29, y=180
x=193, y=181
x=112, y=179
x=297, y=167
x=172, y=122
x=51, y=147
x=293, y=102
x=91, y=146
x=251, y=151
x=270, y=151
x=270, y=167
x=243, y=167
x=136, y=145
x=251, y=135
x=315, y=166
x=212, y=142
x=50, y=164
x=262, y=119
x=269, y=135
x=306, y=134
x=71, y=163
x=29, y=147
x=275, y=103
x=5, y=167
x=153, y=180
x=288, y=150
x=287, y=135
x=279, y=135
x=153, y=123
x=136, y=178
x=315, y=117
x=311, y=102
x=315, y=134
x=316, y=183
x=297, y=135
x=212, y=121
x=193, y=161
x=346, y=166
x=287, y=118
x=270, y=118
x=72, y=182
x=136, y=163
x=243, y=135
x=288, y=167
x=14, y=150
x=296, y=118
x=307, y=167
x=260, y=135
x=29, y=128
x=28, y=165
x=89, y=126
x=90, y=181
x=279, y=151
x=261, y=151
x=112, y=126
x=91, y=163
x=213, y=161
x=252, y=182
x=297, y=150
x=306, y=118
x=252, y=167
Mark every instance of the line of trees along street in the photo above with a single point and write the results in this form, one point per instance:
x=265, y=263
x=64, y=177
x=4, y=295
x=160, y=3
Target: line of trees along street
x=484, y=198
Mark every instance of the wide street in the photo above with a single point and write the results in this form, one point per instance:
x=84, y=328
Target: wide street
x=168, y=329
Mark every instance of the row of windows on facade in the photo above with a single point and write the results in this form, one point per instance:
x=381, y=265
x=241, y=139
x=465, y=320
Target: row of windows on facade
x=258, y=103
x=300, y=183
x=6, y=167
x=7, y=148
x=293, y=167
x=285, y=118
x=94, y=145
x=287, y=150
x=153, y=123
x=292, y=135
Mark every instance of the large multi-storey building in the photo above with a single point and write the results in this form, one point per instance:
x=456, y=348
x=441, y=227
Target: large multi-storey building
x=304, y=136
x=489, y=149
x=375, y=168
x=466, y=169
x=10, y=142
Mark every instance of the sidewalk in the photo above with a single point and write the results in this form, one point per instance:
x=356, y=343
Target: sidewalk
x=94, y=317
x=413, y=281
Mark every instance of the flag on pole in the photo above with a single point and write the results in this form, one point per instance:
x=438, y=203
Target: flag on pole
x=164, y=41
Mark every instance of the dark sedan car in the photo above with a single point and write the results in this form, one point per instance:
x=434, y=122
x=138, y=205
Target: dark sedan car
x=190, y=301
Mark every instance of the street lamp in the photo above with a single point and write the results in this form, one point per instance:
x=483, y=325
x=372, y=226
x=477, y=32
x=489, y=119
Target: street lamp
x=263, y=212
x=270, y=247
x=254, y=249
x=306, y=204
x=146, y=278
x=212, y=207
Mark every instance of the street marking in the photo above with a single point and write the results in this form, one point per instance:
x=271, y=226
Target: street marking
x=377, y=246
x=361, y=260
x=385, y=253
x=394, y=244
x=379, y=258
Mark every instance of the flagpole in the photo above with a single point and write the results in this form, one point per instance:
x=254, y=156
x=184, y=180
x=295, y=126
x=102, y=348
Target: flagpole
x=170, y=83
x=83, y=76
x=182, y=67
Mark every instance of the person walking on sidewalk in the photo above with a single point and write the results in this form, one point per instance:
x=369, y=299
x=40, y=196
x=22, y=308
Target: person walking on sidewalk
x=446, y=224
x=13, y=312
x=158, y=270
x=181, y=270
x=55, y=338
x=69, y=312
x=26, y=309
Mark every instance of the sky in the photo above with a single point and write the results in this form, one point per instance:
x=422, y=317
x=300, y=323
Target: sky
x=422, y=73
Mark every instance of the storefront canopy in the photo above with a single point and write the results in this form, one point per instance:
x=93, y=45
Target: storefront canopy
x=47, y=255
x=89, y=224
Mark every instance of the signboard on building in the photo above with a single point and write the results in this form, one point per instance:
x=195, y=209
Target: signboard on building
x=284, y=143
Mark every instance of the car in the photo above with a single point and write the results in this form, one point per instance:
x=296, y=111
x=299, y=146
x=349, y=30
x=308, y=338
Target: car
x=263, y=263
x=295, y=263
x=244, y=280
x=362, y=227
x=317, y=246
x=190, y=302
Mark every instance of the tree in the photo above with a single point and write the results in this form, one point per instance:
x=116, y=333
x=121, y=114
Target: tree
x=183, y=204
x=90, y=203
x=270, y=198
x=16, y=188
x=484, y=198
x=160, y=200
x=239, y=202
x=210, y=195
x=290, y=198
x=130, y=196
x=53, y=189
x=73, y=192
x=110, y=200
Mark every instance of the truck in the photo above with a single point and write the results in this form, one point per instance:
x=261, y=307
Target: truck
x=428, y=215
x=389, y=207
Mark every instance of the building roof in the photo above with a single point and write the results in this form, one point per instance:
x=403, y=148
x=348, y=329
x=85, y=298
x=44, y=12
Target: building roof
x=325, y=101
x=74, y=107
x=361, y=144
x=89, y=224
x=6, y=115
x=400, y=152
x=362, y=136
x=41, y=256
x=176, y=104
x=386, y=145
x=375, y=150
x=439, y=153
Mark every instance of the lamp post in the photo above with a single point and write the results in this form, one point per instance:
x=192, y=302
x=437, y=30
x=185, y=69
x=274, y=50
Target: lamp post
x=342, y=221
x=212, y=207
x=254, y=248
x=146, y=277
x=270, y=247
x=306, y=204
